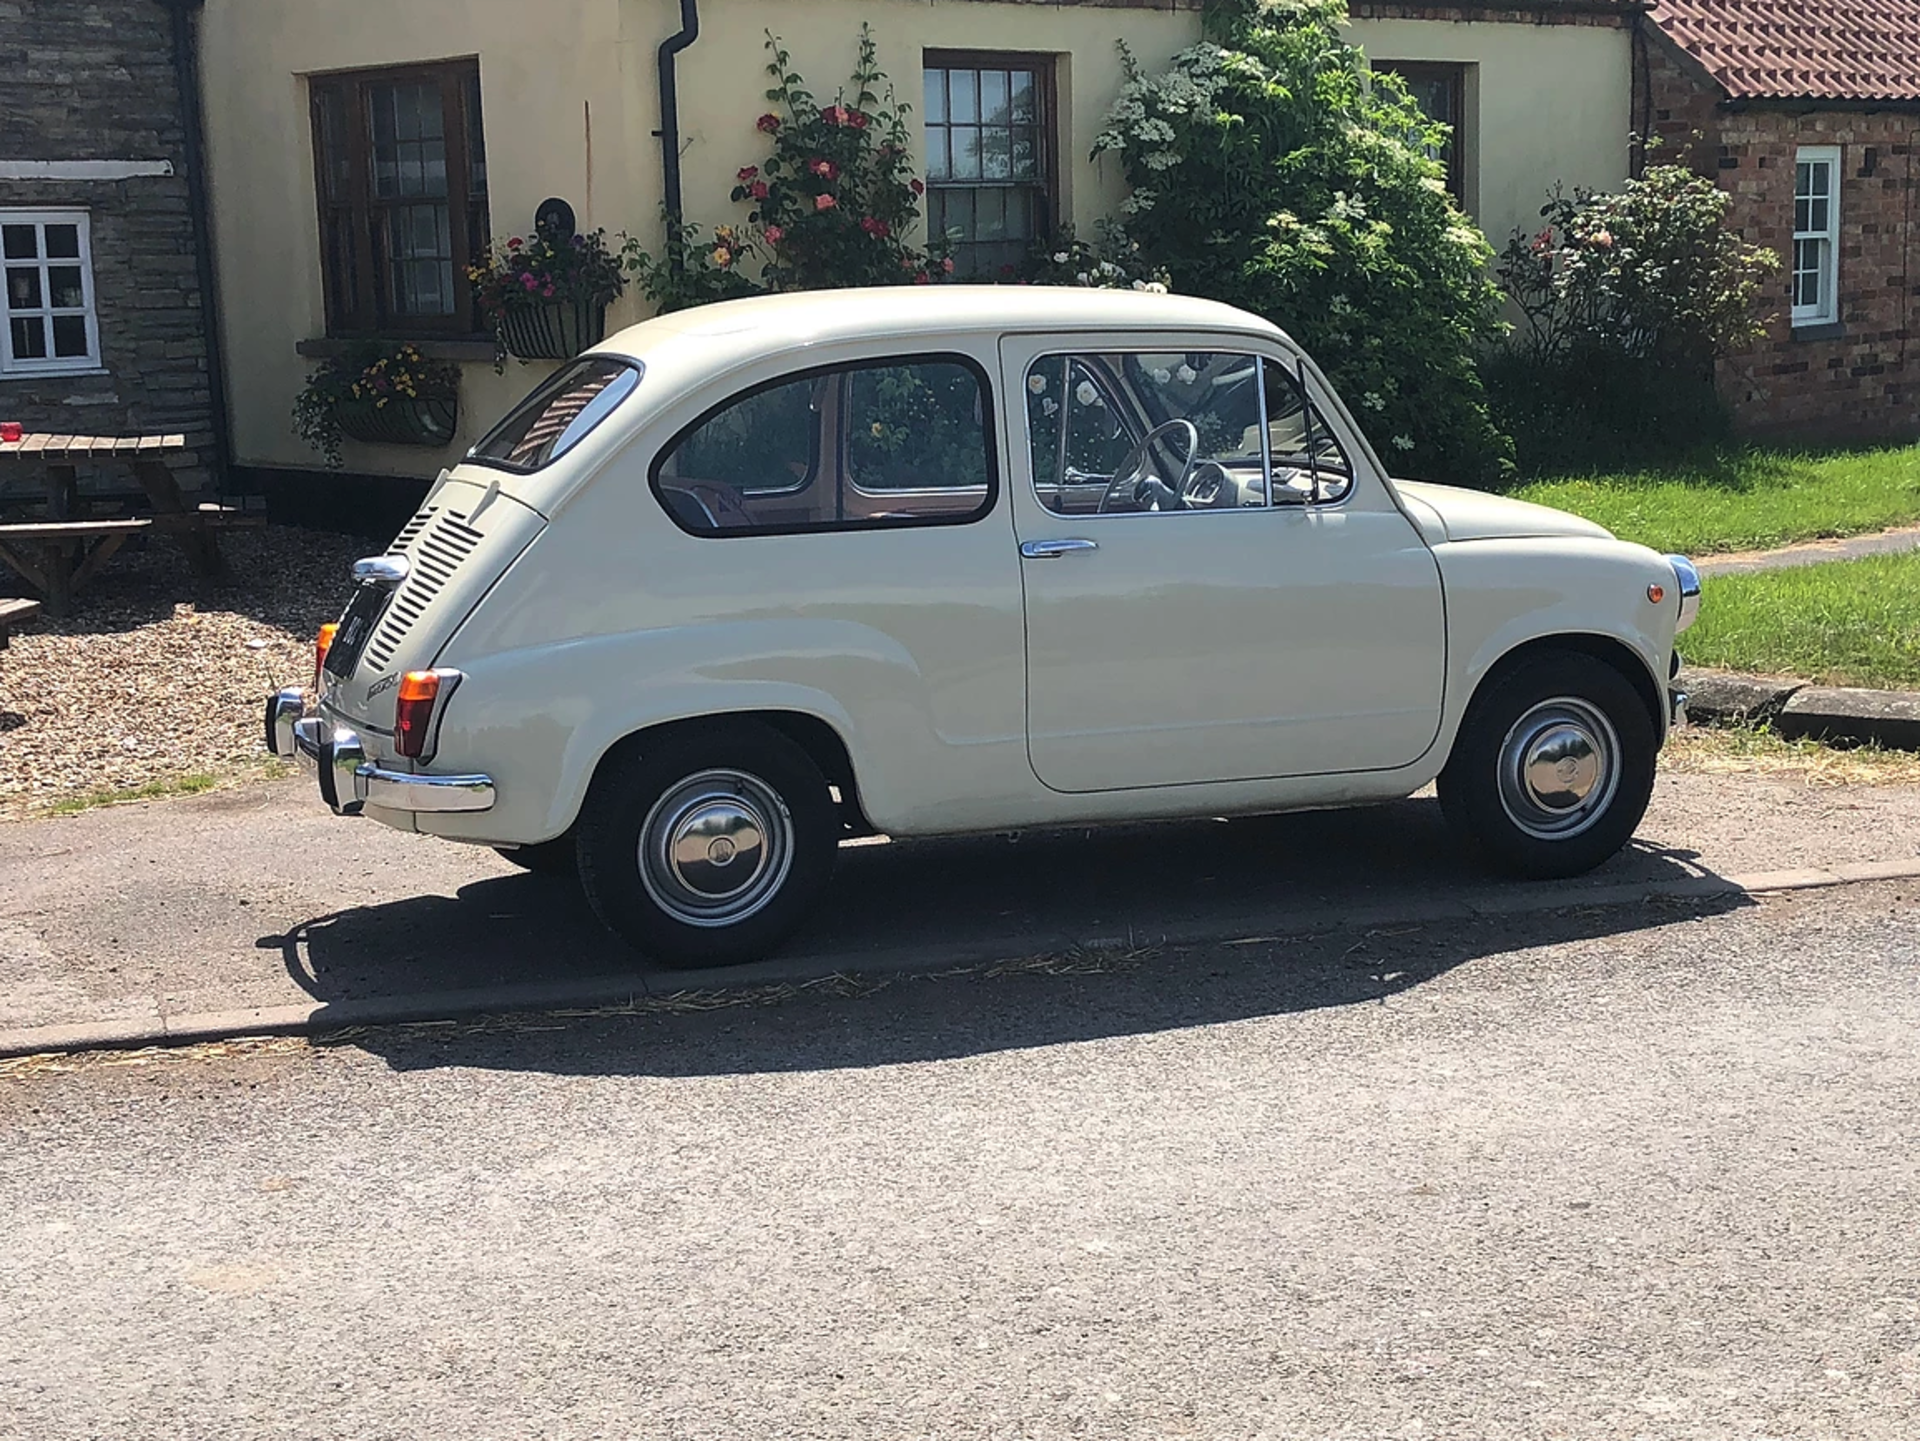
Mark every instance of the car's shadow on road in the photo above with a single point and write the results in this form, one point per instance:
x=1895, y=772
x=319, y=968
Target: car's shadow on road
x=1178, y=919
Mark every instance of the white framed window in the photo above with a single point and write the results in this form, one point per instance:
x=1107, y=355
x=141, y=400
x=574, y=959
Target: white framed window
x=51, y=327
x=1816, y=235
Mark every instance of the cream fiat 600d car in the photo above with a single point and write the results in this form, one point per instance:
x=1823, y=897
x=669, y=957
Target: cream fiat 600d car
x=746, y=580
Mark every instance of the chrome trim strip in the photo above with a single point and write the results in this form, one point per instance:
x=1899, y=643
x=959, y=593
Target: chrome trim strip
x=285, y=709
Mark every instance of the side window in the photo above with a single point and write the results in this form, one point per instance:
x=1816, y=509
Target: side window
x=763, y=443
x=1133, y=433
x=917, y=427
x=1309, y=463
x=895, y=443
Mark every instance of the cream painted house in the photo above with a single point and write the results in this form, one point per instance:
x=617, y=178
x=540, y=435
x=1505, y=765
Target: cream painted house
x=565, y=100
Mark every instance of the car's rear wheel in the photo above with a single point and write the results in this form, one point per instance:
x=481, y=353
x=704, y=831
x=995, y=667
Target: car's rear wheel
x=709, y=847
x=548, y=858
x=1553, y=767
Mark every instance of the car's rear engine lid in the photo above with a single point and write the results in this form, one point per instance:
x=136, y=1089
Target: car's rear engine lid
x=1475, y=515
x=452, y=551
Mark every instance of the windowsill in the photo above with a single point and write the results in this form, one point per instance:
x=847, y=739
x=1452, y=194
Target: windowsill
x=329, y=347
x=53, y=374
x=1822, y=330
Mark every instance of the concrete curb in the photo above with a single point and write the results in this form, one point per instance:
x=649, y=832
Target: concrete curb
x=1800, y=711
x=636, y=989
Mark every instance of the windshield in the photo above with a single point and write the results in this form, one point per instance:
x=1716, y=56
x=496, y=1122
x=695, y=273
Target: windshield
x=559, y=414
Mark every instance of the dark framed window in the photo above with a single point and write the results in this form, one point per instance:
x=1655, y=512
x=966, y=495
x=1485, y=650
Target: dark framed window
x=1440, y=91
x=902, y=441
x=991, y=156
x=401, y=169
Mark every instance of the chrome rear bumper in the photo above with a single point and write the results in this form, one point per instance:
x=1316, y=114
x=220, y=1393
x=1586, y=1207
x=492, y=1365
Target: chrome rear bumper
x=349, y=782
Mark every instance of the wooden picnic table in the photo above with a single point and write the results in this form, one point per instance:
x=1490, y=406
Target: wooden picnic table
x=61, y=552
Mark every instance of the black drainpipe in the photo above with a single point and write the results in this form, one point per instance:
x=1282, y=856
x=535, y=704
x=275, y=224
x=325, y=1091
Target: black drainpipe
x=186, y=70
x=669, y=131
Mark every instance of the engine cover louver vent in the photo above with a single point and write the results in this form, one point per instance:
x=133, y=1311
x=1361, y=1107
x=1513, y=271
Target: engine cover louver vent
x=435, y=543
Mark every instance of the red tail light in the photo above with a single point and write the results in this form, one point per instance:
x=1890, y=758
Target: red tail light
x=413, y=713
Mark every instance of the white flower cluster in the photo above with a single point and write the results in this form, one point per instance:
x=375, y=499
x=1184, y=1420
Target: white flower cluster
x=1140, y=120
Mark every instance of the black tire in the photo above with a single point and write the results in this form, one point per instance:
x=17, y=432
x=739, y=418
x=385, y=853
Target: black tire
x=1593, y=745
x=548, y=858
x=743, y=789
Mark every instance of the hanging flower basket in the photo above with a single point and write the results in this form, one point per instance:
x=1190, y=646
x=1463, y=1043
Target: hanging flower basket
x=400, y=421
x=558, y=331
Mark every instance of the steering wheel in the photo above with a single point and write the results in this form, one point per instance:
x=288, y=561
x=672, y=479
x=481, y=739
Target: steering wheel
x=1136, y=467
x=1207, y=485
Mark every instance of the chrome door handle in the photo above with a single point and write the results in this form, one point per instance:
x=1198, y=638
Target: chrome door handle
x=1048, y=549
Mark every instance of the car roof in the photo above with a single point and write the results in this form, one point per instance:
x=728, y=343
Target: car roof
x=813, y=317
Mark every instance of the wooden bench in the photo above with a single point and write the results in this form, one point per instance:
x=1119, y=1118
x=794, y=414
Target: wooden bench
x=63, y=551
x=12, y=613
x=57, y=557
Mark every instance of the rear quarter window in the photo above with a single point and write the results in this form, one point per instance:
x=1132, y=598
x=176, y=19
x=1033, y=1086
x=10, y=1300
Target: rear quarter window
x=560, y=413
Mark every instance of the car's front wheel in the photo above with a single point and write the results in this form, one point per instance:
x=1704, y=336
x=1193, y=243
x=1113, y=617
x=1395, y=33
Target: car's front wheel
x=1553, y=766
x=708, y=847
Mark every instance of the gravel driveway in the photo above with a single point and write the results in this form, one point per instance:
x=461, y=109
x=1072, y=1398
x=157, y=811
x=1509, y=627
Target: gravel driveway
x=152, y=678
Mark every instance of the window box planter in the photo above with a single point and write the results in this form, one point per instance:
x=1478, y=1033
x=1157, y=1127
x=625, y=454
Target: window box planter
x=400, y=421
x=557, y=331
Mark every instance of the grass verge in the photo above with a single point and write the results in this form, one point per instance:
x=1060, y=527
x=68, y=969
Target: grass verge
x=197, y=783
x=1756, y=750
x=1847, y=622
x=1750, y=499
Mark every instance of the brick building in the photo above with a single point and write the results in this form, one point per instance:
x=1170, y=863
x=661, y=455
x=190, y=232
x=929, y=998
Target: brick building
x=1807, y=112
x=105, y=327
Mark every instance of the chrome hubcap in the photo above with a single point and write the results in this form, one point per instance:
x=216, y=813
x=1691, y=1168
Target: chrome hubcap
x=716, y=848
x=1559, y=767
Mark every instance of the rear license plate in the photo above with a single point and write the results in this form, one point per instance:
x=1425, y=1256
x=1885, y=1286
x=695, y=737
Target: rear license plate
x=369, y=603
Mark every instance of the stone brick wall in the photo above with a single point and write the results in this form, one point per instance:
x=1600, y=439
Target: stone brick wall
x=94, y=80
x=1855, y=379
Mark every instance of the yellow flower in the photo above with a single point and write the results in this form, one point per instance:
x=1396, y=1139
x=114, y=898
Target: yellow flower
x=878, y=430
x=722, y=257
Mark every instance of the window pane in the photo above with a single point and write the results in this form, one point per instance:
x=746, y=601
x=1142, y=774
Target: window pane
x=1802, y=179
x=957, y=212
x=21, y=242
x=996, y=156
x=1024, y=100
x=64, y=283
x=29, y=338
x=936, y=97
x=559, y=414
x=70, y=336
x=938, y=167
x=1026, y=155
x=762, y=443
x=63, y=242
x=1201, y=409
x=23, y=288
x=966, y=154
x=476, y=140
x=963, y=96
x=1802, y=215
x=993, y=96
x=917, y=427
x=1817, y=220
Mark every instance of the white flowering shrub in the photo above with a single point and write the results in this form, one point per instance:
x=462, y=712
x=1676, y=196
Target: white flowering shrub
x=1113, y=262
x=1269, y=168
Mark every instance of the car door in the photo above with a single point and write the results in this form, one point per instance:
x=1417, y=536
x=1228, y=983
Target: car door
x=1217, y=587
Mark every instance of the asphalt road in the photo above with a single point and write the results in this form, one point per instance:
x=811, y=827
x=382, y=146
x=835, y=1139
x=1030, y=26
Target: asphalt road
x=259, y=897
x=1622, y=1173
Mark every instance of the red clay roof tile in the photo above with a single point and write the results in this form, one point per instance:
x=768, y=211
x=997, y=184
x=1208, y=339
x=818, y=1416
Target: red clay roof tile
x=1801, y=49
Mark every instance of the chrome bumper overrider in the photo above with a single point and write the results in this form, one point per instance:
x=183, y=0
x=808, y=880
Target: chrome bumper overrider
x=348, y=780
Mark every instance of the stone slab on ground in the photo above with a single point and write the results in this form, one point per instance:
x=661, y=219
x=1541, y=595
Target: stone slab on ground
x=1730, y=697
x=1813, y=552
x=1862, y=717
